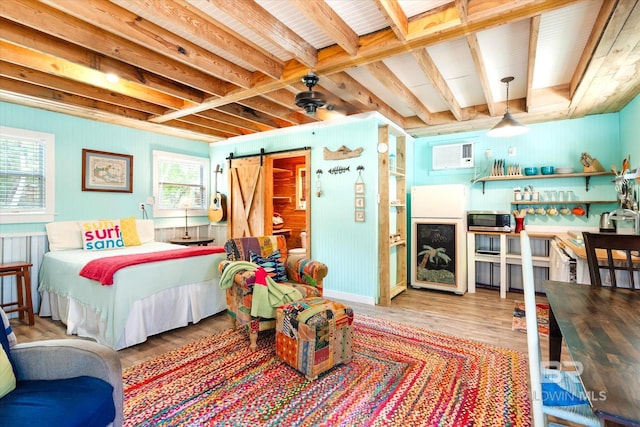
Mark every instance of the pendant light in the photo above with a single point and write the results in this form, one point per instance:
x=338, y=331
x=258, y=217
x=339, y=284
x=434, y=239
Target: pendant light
x=508, y=126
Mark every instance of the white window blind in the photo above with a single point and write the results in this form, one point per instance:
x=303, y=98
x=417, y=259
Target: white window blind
x=180, y=181
x=27, y=176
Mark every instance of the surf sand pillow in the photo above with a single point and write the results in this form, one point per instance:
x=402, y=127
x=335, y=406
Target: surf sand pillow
x=101, y=235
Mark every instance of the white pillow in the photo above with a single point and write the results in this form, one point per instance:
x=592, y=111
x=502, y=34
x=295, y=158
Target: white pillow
x=64, y=235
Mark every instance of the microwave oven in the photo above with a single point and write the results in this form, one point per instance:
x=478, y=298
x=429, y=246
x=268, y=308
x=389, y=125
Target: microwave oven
x=489, y=221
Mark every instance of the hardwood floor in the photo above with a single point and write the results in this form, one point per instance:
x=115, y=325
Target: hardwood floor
x=482, y=316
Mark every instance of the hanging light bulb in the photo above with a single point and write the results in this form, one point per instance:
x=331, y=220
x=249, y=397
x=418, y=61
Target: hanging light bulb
x=508, y=126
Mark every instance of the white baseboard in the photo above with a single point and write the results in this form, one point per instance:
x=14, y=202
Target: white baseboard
x=326, y=293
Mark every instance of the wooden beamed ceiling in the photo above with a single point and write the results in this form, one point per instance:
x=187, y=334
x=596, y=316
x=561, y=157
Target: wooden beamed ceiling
x=214, y=69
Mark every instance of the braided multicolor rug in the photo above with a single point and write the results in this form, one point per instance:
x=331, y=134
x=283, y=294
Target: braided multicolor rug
x=399, y=376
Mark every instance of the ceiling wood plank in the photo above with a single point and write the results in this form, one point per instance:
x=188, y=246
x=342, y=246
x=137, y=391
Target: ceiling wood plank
x=127, y=25
x=395, y=17
x=192, y=20
x=264, y=24
x=383, y=74
x=321, y=14
x=606, y=10
x=615, y=24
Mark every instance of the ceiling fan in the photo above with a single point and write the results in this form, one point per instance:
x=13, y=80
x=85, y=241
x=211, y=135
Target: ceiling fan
x=310, y=100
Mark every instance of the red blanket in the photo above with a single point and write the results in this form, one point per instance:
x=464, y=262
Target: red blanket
x=103, y=269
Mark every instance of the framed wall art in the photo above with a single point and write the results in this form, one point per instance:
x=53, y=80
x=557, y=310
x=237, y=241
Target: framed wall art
x=360, y=202
x=103, y=171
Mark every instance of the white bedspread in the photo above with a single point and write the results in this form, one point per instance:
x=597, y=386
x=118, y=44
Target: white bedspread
x=145, y=299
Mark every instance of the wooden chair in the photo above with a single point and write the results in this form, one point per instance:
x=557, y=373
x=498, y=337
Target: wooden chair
x=567, y=383
x=610, y=243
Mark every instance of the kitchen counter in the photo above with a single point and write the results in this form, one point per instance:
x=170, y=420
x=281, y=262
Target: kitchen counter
x=577, y=247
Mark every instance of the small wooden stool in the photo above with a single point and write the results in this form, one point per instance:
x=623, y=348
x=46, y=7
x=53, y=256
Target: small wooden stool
x=24, y=303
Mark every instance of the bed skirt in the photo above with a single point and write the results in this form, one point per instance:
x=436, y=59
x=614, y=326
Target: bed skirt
x=169, y=309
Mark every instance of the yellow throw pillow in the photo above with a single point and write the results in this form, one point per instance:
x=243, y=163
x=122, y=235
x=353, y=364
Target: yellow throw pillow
x=129, y=231
x=7, y=378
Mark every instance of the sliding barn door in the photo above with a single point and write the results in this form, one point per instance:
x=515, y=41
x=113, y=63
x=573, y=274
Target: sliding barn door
x=251, y=193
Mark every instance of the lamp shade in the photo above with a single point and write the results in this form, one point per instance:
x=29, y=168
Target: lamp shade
x=508, y=127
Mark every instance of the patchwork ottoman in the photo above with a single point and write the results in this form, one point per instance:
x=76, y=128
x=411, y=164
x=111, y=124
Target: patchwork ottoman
x=314, y=335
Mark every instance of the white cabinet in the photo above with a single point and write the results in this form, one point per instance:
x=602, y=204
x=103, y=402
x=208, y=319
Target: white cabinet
x=498, y=252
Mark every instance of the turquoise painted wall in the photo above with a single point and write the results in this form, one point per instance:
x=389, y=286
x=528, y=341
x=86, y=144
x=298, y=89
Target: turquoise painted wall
x=72, y=135
x=558, y=144
x=348, y=248
x=630, y=131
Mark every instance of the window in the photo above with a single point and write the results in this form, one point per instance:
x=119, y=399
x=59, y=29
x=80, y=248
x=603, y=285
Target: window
x=27, y=176
x=179, y=182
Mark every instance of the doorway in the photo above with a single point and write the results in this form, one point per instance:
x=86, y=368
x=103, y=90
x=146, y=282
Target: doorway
x=270, y=194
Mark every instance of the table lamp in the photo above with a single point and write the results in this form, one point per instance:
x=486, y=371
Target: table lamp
x=186, y=203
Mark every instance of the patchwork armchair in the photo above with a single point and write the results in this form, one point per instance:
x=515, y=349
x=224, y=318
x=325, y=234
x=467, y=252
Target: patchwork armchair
x=270, y=253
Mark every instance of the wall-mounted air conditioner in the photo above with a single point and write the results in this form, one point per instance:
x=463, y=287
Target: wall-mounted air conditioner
x=453, y=156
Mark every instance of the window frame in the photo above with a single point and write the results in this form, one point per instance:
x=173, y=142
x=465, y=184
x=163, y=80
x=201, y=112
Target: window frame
x=46, y=214
x=204, y=162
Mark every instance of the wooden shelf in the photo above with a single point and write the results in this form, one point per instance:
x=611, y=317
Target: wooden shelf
x=282, y=171
x=397, y=243
x=281, y=199
x=587, y=203
x=586, y=175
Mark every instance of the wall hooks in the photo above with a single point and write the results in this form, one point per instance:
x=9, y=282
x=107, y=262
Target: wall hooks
x=318, y=184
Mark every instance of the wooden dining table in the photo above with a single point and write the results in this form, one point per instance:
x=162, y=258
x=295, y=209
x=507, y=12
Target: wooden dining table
x=601, y=330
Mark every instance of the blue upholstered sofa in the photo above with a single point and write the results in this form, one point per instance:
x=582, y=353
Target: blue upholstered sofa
x=68, y=382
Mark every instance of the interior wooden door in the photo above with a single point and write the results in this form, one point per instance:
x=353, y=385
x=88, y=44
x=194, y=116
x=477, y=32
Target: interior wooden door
x=251, y=193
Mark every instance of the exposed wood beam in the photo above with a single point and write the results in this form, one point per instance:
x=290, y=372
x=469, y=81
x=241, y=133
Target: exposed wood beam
x=58, y=106
x=247, y=113
x=191, y=20
x=534, y=31
x=58, y=24
x=271, y=108
x=437, y=80
x=129, y=26
x=41, y=42
x=349, y=89
x=474, y=47
x=395, y=17
x=382, y=73
x=27, y=75
x=247, y=127
x=321, y=14
x=373, y=47
x=434, y=21
x=263, y=23
x=62, y=68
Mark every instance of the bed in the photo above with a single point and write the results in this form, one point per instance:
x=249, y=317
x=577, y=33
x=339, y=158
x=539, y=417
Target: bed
x=144, y=299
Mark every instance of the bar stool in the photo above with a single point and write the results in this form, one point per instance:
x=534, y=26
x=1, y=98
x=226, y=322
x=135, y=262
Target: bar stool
x=24, y=303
